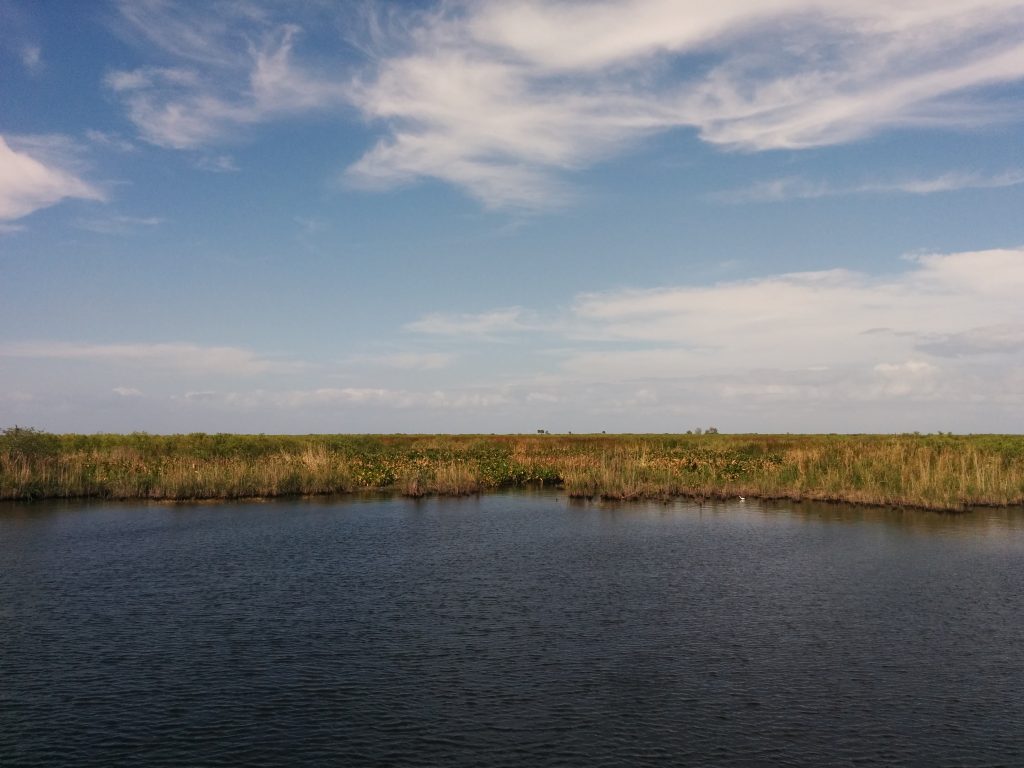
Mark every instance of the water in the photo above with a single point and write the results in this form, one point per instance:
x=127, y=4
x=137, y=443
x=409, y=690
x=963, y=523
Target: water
x=516, y=629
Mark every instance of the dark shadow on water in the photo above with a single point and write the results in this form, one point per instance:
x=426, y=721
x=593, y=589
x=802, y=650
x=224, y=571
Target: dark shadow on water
x=980, y=519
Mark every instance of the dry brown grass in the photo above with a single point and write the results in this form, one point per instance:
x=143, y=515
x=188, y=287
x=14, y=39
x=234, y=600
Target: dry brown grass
x=938, y=472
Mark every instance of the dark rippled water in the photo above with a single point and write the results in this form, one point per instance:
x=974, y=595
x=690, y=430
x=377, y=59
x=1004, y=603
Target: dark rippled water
x=508, y=630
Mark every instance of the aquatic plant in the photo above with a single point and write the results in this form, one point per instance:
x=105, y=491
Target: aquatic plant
x=931, y=471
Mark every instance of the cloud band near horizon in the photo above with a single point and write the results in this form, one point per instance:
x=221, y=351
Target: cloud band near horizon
x=947, y=329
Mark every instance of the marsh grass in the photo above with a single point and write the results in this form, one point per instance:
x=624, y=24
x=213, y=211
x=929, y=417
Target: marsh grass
x=937, y=472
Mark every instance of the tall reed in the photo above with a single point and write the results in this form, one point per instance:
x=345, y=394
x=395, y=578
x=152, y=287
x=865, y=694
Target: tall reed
x=938, y=472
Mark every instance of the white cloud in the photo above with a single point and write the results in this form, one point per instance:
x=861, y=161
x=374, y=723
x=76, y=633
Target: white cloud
x=179, y=357
x=498, y=321
x=117, y=224
x=503, y=98
x=823, y=318
x=913, y=377
x=30, y=180
x=32, y=58
x=938, y=344
x=946, y=328
x=498, y=97
x=542, y=397
x=17, y=397
x=217, y=164
x=993, y=339
x=237, y=70
x=110, y=140
x=342, y=397
x=203, y=396
x=924, y=333
x=950, y=182
x=407, y=361
x=795, y=188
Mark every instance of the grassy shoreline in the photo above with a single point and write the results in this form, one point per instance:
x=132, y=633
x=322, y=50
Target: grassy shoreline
x=942, y=472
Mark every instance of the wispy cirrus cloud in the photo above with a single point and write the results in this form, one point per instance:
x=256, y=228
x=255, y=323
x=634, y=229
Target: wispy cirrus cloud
x=796, y=188
x=216, y=164
x=111, y=140
x=180, y=357
x=483, y=324
x=407, y=361
x=234, y=68
x=32, y=58
x=506, y=99
x=37, y=172
x=118, y=224
x=327, y=397
x=500, y=98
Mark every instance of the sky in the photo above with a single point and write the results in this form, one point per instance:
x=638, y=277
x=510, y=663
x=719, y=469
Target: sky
x=505, y=216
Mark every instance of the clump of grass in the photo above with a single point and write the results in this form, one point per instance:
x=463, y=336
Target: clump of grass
x=937, y=472
x=455, y=479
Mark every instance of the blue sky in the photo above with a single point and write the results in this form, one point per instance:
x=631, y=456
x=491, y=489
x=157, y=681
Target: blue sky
x=648, y=215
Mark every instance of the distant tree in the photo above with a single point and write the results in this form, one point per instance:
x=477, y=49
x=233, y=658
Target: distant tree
x=697, y=431
x=711, y=431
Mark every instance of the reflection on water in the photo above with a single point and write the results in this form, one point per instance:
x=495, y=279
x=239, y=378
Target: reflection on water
x=982, y=521
x=518, y=629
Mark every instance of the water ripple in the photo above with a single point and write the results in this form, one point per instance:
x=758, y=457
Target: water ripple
x=511, y=630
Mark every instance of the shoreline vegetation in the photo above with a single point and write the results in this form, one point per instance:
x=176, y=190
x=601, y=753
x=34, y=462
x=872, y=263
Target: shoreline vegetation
x=940, y=472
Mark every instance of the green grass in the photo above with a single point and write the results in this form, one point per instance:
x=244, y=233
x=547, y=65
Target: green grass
x=930, y=471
